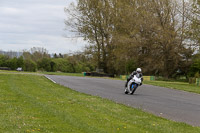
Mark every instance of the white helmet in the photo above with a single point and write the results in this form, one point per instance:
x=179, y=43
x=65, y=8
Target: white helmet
x=139, y=70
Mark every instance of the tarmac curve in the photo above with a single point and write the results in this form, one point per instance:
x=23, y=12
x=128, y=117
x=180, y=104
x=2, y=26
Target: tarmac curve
x=172, y=104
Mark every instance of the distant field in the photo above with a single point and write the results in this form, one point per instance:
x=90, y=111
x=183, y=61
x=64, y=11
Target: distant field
x=31, y=103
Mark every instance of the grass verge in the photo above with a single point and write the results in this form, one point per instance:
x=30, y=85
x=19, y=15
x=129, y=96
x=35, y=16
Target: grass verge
x=49, y=73
x=31, y=103
x=61, y=73
x=175, y=85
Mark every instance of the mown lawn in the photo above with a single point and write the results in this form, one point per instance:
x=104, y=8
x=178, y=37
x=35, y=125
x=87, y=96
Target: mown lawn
x=49, y=73
x=62, y=73
x=175, y=85
x=31, y=103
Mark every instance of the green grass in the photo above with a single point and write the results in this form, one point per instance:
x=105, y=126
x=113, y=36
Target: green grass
x=168, y=84
x=175, y=85
x=40, y=72
x=184, y=86
x=31, y=103
x=62, y=73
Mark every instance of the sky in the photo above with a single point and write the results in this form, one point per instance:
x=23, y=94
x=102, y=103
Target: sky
x=36, y=23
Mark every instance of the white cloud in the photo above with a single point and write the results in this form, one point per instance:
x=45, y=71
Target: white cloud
x=36, y=23
x=54, y=44
x=10, y=11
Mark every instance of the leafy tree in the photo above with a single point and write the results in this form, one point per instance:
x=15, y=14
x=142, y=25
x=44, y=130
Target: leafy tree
x=130, y=66
x=44, y=64
x=92, y=19
x=63, y=65
x=195, y=26
x=53, y=66
x=20, y=62
x=3, y=60
x=30, y=65
x=27, y=55
x=148, y=31
x=55, y=56
x=12, y=63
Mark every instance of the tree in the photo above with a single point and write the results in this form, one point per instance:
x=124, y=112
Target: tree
x=62, y=65
x=53, y=66
x=92, y=19
x=30, y=65
x=20, y=62
x=195, y=26
x=195, y=67
x=149, y=33
x=39, y=53
x=36, y=53
x=3, y=60
x=27, y=55
x=44, y=64
x=60, y=55
x=55, y=56
x=12, y=63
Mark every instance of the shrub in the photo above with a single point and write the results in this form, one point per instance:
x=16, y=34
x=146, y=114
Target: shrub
x=30, y=65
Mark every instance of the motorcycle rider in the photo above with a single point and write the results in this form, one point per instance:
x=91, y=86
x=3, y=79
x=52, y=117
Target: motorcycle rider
x=138, y=71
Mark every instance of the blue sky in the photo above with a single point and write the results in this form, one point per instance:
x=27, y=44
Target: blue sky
x=36, y=23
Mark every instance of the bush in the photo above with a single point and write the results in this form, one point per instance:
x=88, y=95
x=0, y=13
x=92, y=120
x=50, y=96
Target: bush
x=30, y=65
x=53, y=66
x=44, y=64
x=3, y=61
x=63, y=65
x=12, y=63
x=20, y=62
x=195, y=68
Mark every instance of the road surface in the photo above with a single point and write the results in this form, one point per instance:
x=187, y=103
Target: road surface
x=168, y=103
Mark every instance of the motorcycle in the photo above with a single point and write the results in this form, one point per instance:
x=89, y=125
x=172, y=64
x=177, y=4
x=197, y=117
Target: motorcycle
x=133, y=84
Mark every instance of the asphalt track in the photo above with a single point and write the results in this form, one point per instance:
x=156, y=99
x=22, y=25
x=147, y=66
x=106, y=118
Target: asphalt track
x=168, y=103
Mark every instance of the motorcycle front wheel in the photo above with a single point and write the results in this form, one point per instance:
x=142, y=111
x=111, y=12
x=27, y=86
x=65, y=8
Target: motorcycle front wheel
x=126, y=92
x=133, y=89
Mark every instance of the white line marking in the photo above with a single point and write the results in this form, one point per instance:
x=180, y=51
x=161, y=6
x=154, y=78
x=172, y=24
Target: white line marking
x=50, y=79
